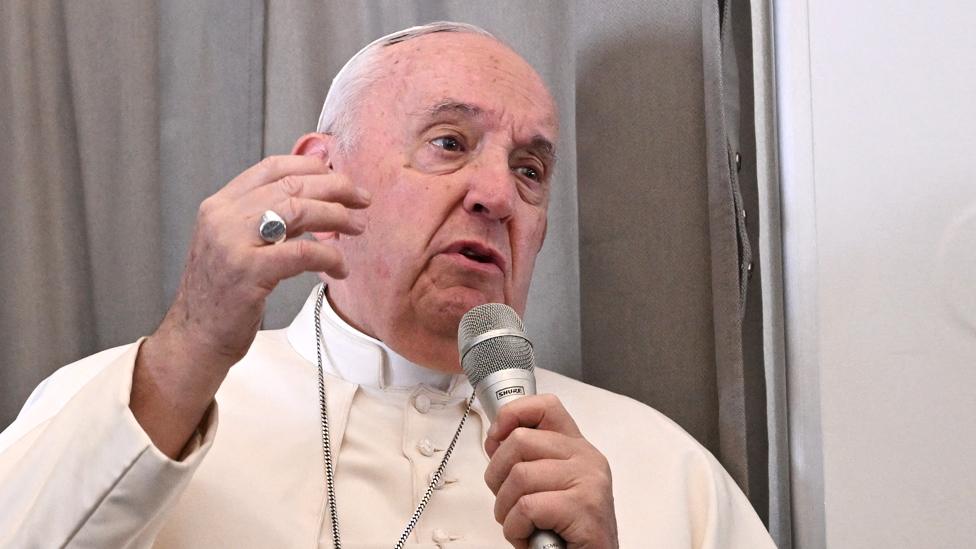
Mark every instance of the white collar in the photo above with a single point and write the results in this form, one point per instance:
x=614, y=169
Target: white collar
x=359, y=358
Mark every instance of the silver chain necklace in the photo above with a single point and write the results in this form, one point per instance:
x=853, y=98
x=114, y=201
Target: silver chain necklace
x=327, y=446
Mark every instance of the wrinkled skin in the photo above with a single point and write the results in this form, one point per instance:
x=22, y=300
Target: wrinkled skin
x=438, y=205
x=458, y=152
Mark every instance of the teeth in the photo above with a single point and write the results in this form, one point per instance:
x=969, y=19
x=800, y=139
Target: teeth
x=471, y=254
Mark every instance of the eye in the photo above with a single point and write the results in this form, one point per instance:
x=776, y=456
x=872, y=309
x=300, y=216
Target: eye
x=448, y=143
x=529, y=172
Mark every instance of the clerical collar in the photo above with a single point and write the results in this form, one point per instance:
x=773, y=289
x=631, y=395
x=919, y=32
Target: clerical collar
x=359, y=358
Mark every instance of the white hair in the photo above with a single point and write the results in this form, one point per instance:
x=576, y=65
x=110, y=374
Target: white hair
x=344, y=99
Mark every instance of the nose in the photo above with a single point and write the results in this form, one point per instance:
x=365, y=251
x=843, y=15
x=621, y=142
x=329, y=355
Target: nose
x=491, y=191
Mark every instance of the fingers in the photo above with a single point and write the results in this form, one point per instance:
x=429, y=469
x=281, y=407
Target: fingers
x=582, y=516
x=522, y=445
x=295, y=257
x=544, y=412
x=328, y=188
x=305, y=214
x=272, y=169
x=277, y=178
x=301, y=190
x=530, y=477
x=311, y=202
x=538, y=511
x=546, y=476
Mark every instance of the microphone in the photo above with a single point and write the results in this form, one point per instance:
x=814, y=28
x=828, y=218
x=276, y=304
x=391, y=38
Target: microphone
x=497, y=358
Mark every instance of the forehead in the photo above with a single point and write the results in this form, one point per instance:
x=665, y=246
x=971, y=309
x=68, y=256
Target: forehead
x=470, y=69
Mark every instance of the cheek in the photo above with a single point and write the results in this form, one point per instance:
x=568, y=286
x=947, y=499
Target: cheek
x=535, y=234
x=398, y=229
x=541, y=236
x=383, y=270
x=527, y=243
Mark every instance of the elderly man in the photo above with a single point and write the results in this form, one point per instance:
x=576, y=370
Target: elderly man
x=426, y=191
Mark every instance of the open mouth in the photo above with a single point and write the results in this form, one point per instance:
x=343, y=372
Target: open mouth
x=477, y=253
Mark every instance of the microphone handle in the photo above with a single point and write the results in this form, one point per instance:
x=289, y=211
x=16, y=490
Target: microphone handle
x=495, y=391
x=546, y=539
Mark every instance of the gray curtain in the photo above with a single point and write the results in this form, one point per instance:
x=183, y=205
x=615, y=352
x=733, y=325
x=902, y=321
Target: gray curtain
x=120, y=117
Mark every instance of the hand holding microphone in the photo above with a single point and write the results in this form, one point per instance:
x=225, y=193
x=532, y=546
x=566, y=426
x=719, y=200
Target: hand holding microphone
x=552, y=487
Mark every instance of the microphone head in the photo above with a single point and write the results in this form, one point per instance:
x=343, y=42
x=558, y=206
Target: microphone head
x=491, y=338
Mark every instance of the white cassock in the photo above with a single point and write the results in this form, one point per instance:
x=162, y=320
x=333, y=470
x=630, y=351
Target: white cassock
x=77, y=470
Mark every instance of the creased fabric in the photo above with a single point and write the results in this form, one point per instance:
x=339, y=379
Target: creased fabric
x=77, y=471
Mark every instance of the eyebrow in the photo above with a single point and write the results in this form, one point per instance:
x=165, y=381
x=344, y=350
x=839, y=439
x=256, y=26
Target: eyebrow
x=456, y=107
x=540, y=144
x=544, y=147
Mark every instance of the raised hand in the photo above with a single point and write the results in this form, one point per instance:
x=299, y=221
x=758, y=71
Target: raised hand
x=229, y=273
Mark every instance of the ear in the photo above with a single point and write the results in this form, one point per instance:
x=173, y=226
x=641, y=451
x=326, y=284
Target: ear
x=322, y=146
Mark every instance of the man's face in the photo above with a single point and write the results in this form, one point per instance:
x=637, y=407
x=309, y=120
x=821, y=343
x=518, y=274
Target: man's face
x=456, y=143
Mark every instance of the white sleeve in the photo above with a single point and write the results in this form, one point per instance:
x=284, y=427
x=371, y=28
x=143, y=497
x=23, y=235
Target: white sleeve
x=76, y=468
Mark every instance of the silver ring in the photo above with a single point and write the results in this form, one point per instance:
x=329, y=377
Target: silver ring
x=272, y=228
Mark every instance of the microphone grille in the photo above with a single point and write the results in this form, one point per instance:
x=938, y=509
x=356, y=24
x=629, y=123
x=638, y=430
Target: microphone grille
x=483, y=318
x=502, y=352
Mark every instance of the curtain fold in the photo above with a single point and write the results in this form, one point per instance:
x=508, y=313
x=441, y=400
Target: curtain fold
x=644, y=247
x=80, y=189
x=211, y=79
x=737, y=317
x=125, y=116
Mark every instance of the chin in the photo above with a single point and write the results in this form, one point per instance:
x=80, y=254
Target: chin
x=448, y=308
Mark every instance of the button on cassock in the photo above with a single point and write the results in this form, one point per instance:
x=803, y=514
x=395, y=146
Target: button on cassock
x=422, y=403
x=425, y=447
x=440, y=536
x=442, y=481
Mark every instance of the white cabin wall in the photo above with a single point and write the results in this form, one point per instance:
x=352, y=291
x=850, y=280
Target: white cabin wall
x=877, y=136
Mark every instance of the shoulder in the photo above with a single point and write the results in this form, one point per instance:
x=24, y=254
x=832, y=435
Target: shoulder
x=664, y=480
x=607, y=415
x=643, y=446
x=67, y=380
x=52, y=394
